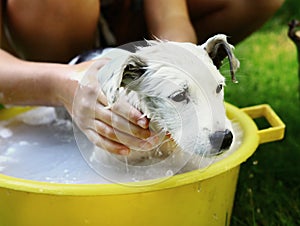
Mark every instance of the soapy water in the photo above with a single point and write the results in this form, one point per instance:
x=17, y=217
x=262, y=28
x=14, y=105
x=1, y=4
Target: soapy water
x=43, y=149
x=38, y=146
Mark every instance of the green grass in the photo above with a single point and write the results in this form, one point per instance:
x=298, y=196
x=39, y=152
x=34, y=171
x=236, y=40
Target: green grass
x=268, y=191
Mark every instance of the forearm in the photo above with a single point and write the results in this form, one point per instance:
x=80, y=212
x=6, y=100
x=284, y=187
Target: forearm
x=29, y=83
x=169, y=19
x=177, y=30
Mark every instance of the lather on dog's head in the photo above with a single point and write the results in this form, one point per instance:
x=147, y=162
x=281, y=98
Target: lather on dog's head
x=178, y=87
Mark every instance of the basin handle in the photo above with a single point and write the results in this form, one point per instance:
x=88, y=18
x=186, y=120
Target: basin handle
x=277, y=127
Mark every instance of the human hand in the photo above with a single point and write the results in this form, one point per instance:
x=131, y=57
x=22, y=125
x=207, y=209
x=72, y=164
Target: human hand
x=117, y=129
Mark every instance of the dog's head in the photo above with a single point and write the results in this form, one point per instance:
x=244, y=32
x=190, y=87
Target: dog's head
x=178, y=87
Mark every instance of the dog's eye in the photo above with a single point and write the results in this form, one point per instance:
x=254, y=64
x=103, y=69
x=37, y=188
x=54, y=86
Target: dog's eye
x=180, y=96
x=219, y=88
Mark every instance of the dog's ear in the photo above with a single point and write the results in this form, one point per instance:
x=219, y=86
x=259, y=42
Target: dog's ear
x=218, y=48
x=133, y=70
x=122, y=72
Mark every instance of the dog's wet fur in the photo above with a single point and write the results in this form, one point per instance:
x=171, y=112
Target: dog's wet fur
x=178, y=86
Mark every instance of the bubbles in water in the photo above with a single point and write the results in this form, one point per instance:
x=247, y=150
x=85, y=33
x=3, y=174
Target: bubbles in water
x=23, y=143
x=169, y=173
x=10, y=151
x=49, y=153
x=5, y=133
x=135, y=180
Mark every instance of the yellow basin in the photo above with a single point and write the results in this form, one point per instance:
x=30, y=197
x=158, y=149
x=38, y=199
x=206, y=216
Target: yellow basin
x=200, y=197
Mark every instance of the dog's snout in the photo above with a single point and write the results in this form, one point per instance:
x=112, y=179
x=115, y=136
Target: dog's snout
x=221, y=140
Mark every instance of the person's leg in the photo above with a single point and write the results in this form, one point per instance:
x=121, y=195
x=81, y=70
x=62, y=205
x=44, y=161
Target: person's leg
x=235, y=18
x=52, y=30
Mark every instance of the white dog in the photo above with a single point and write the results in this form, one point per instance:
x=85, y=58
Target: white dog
x=178, y=87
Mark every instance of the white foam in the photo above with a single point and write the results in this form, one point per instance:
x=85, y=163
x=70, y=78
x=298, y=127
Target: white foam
x=5, y=132
x=43, y=151
x=38, y=116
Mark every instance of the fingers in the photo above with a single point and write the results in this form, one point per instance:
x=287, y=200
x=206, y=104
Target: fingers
x=109, y=145
x=122, y=124
x=112, y=132
x=124, y=109
x=127, y=111
x=118, y=129
x=102, y=98
x=117, y=136
x=114, y=127
x=116, y=141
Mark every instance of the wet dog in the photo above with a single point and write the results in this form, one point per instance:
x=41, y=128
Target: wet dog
x=178, y=86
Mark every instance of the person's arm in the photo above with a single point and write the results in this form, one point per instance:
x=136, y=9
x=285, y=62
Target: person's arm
x=169, y=20
x=28, y=83
x=36, y=83
x=32, y=83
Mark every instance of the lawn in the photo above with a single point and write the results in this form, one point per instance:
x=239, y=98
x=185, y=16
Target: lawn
x=268, y=191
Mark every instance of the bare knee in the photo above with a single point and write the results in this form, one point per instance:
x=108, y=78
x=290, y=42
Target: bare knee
x=203, y=7
x=235, y=18
x=271, y=6
x=55, y=30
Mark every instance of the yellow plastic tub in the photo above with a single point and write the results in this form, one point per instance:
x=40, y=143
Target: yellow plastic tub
x=195, y=198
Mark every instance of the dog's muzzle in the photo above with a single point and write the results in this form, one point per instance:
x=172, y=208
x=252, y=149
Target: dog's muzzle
x=220, y=141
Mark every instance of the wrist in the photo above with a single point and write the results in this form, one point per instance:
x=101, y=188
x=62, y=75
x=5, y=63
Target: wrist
x=63, y=87
x=65, y=79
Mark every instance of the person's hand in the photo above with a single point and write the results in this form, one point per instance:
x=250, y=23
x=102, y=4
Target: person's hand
x=117, y=129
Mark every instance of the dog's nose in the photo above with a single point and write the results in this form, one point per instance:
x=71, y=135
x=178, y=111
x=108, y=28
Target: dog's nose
x=221, y=140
